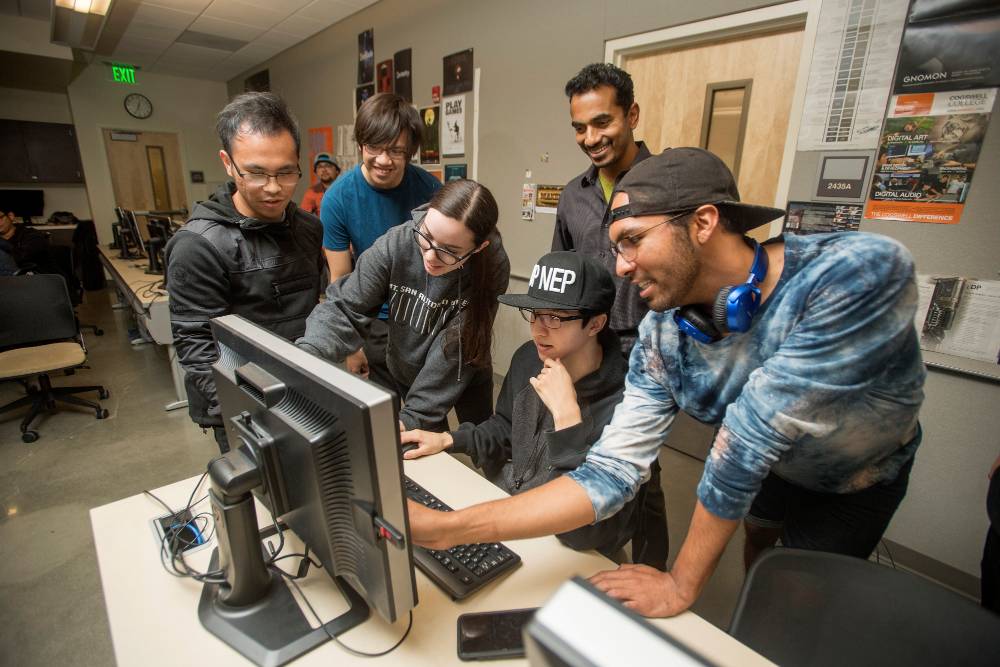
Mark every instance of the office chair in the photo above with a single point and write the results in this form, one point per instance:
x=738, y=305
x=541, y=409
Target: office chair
x=40, y=336
x=812, y=608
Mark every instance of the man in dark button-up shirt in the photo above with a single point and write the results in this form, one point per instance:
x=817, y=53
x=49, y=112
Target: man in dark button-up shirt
x=604, y=114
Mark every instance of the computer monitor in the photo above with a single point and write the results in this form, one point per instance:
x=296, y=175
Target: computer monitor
x=320, y=448
x=582, y=627
x=25, y=204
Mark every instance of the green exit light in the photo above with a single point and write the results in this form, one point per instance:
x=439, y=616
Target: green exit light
x=123, y=74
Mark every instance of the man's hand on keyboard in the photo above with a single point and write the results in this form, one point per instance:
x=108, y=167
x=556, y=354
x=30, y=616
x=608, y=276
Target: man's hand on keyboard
x=430, y=528
x=426, y=442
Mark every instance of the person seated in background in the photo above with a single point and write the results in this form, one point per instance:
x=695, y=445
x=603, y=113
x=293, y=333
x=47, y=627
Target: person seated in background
x=560, y=392
x=441, y=274
x=248, y=250
x=28, y=246
x=326, y=171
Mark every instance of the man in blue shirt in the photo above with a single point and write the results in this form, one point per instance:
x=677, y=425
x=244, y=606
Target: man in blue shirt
x=378, y=194
x=802, y=351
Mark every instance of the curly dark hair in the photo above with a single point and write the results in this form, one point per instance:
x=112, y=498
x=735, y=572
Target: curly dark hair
x=603, y=74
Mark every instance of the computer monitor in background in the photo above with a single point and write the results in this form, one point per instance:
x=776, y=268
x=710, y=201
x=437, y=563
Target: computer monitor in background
x=320, y=448
x=26, y=204
x=581, y=627
x=136, y=232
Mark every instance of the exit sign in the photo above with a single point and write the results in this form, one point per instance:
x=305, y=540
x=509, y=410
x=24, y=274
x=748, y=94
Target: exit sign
x=123, y=74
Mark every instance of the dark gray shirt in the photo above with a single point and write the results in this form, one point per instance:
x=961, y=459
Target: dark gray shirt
x=581, y=226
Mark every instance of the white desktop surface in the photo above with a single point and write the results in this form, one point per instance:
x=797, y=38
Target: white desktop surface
x=154, y=620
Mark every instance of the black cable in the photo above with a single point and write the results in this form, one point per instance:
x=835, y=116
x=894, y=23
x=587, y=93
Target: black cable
x=334, y=637
x=157, y=499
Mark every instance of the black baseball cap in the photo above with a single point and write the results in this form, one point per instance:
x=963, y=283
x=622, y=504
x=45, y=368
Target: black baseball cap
x=682, y=179
x=566, y=280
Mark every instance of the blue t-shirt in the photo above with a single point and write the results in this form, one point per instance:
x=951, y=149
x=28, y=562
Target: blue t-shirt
x=356, y=214
x=824, y=389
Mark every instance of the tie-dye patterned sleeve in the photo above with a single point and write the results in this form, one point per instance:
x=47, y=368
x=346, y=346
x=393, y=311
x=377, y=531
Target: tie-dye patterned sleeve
x=618, y=463
x=819, y=402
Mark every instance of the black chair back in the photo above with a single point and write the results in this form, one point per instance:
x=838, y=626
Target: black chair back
x=812, y=608
x=35, y=309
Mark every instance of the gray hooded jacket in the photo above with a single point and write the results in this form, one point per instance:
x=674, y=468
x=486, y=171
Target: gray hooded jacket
x=425, y=312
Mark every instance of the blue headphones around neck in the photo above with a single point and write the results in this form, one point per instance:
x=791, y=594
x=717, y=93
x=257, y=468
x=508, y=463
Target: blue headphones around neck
x=734, y=307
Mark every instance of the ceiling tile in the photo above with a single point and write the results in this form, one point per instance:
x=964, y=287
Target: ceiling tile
x=290, y=5
x=330, y=11
x=189, y=6
x=241, y=12
x=276, y=38
x=300, y=26
x=188, y=54
x=163, y=16
x=230, y=29
x=136, y=45
x=138, y=30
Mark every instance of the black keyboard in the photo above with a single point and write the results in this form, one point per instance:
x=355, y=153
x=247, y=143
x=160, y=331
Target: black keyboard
x=465, y=568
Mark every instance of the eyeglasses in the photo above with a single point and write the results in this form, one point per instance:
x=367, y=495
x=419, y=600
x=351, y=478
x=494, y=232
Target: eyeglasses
x=548, y=321
x=256, y=179
x=627, y=246
x=425, y=243
x=394, y=152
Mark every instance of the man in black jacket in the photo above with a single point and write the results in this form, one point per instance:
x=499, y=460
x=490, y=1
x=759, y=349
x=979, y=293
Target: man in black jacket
x=560, y=392
x=248, y=250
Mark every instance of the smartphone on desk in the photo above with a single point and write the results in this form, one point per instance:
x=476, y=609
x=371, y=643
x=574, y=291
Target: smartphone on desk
x=492, y=635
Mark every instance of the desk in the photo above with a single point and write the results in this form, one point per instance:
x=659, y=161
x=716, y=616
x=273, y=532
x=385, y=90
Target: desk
x=151, y=309
x=154, y=621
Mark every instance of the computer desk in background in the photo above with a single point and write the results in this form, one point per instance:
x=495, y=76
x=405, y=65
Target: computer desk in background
x=154, y=616
x=151, y=309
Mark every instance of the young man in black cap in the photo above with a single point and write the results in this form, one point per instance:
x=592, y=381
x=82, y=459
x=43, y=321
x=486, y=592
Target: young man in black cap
x=559, y=393
x=326, y=171
x=802, y=351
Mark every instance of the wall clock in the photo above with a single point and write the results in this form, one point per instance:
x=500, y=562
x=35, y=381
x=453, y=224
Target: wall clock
x=138, y=105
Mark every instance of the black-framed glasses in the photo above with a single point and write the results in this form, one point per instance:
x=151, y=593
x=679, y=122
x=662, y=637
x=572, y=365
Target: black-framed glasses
x=627, y=246
x=548, y=320
x=425, y=243
x=257, y=179
x=394, y=152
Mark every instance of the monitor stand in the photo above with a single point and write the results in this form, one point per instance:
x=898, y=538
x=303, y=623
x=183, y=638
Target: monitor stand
x=254, y=611
x=273, y=631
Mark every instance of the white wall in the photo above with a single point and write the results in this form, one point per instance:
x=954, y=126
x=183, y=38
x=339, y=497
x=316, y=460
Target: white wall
x=186, y=107
x=43, y=107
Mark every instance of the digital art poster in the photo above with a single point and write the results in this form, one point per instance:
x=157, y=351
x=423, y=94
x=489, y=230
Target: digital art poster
x=384, y=79
x=454, y=172
x=366, y=56
x=457, y=75
x=362, y=93
x=430, y=152
x=927, y=155
x=402, y=75
x=453, y=133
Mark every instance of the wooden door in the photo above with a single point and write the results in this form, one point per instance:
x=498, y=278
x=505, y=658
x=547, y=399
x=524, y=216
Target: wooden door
x=675, y=88
x=145, y=170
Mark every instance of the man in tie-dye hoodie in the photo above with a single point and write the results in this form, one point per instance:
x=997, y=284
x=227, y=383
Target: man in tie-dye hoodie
x=803, y=353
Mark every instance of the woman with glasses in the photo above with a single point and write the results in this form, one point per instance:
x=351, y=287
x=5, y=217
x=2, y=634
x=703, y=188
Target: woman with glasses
x=440, y=274
x=562, y=388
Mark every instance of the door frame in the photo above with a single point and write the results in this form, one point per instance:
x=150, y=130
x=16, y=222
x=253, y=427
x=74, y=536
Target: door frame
x=804, y=13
